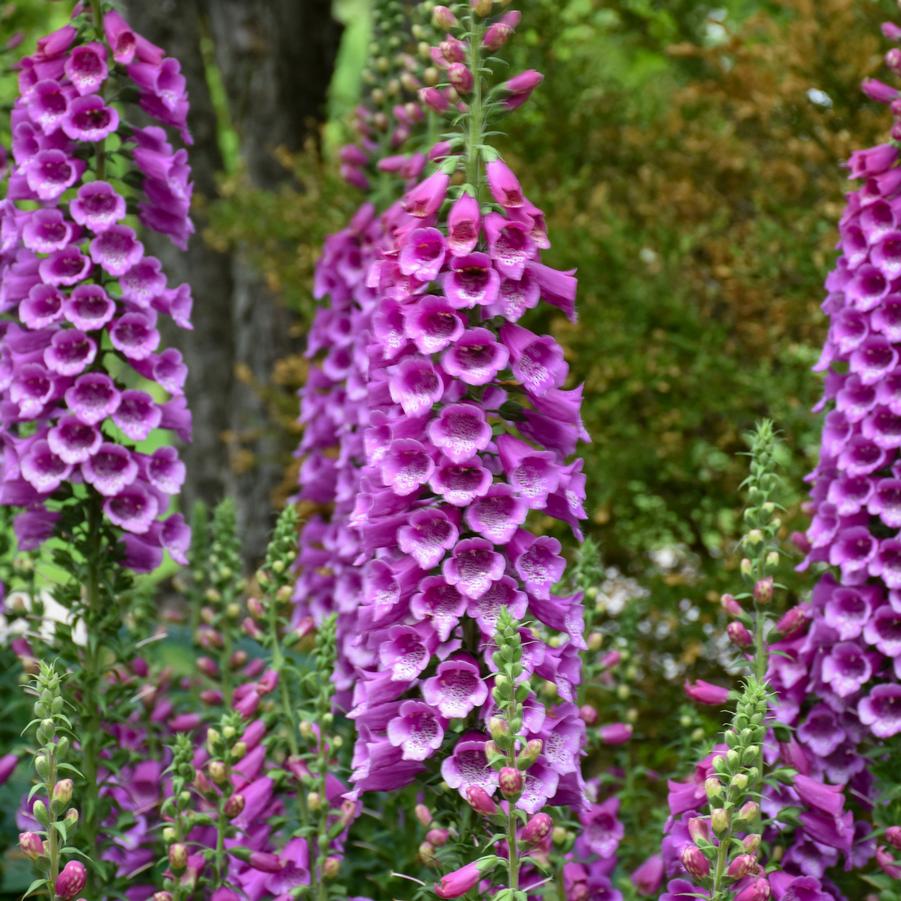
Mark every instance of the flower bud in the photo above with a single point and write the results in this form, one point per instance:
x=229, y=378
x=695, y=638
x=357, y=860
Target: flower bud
x=719, y=820
x=757, y=890
x=481, y=7
x=730, y=605
x=234, y=806
x=893, y=836
x=595, y=641
x=443, y=18
x=178, y=857
x=331, y=866
x=748, y=812
x=218, y=771
x=560, y=835
x=746, y=567
x=699, y=829
x=537, y=828
x=713, y=787
x=739, y=635
x=169, y=834
x=739, y=781
x=427, y=854
x=694, y=861
x=480, y=801
x=162, y=896
x=460, y=77
x=62, y=793
x=741, y=866
x=793, y=620
x=751, y=842
x=71, y=817
x=71, y=880
x=438, y=837
x=763, y=590
x=31, y=845
x=39, y=812
x=511, y=782
x=314, y=801
x=423, y=814
x=529, y=753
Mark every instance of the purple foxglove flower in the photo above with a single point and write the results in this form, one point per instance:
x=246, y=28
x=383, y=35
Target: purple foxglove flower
x=883, y=630
x=93, y=397
x=648, y=876
x=504, y=185
x=456, y=688
x=476, y=358
x=418, y=730
x=97, y=206
x=460, y=431
x=46, y=230
x=110, y=470
x=406, y=466
x=426, y=198
x=463, y=223
x=826, y=798
x=439, y=603
x=881, y=710
x=460, y=483
x=539, y=786
x=847, y=611
x=428, y=536
x=468, y=766
x=519, y=88
x=137, y=415
x=164, y=470
x=432, y=324
x=133, y=509
x=497, y=515
x=821, y=731
x=70, y=352
x=86, y=67
x=615, y=733
x=474, y=566
x=423, y=254
x=135, y=336
x=42, y=308
x=31, y=389
x=415, y=385
x=602, y=831
x=846, y=668
x=64, y=267
x=853, y=551
x=88, y=308
x=74, y=441
x=537, y=362
x=88, y=118
x=405, y=654
x=471, y=282
x=116, y=250
x=50, y=172
x=43, y=469
x=486, y=609
x=540, y=565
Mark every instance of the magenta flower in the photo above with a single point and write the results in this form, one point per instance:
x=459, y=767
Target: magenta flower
x=418, y=730
x=456, y=688
x=881, y=710
x=458, y=883
x=706, y=693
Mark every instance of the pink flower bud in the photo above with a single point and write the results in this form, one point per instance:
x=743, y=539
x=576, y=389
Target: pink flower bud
x=31, y=845
x=615, y=733
x=62, y=792
x=763, y=590
x=694, y=861
x=234, y=806
x=480, y=801
x=792, y=621
x=741, y=866
x=699, y=828
x=443, y=18
x=757, y=890
x=510, y=780
x=460, y=77
x=458, y=883
x=499, y=33
x=886, y=862
x=434, y=99
x=423, y=814
x=739, y=635
x=71, y=880
x=878, y=90
x=893, y=836
x=437, y=837
x=730, y=605
x=706, y=693
x=588, y=714
x=537, y=828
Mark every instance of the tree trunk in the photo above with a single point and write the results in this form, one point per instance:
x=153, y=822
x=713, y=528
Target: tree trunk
x=275, y=59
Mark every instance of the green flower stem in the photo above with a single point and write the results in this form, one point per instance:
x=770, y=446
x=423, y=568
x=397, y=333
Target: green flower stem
x=476, y=112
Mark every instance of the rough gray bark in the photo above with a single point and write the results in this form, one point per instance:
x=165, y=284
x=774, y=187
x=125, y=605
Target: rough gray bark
x=275, y=59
